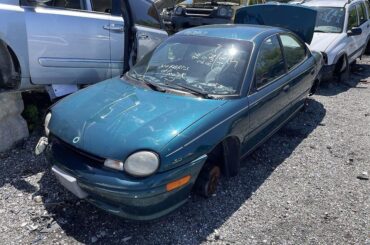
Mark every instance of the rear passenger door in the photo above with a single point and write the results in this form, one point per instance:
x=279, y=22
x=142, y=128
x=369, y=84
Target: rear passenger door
x=301, y=67
x=67, y=42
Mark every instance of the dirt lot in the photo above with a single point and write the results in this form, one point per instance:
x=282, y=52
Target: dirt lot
x=301, y=187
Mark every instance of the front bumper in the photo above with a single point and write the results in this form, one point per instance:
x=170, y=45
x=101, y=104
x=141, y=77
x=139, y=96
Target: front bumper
x=120, y=194
x=327, y=72
x=181, y=22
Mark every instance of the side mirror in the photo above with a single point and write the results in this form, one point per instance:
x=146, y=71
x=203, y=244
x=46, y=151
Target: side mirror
x=355, y=31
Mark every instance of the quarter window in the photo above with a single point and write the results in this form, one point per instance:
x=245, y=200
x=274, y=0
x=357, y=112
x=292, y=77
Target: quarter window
x=362, y=13
x=352, y=19
x=270, y=63
x=294, y=51
x=103, y=6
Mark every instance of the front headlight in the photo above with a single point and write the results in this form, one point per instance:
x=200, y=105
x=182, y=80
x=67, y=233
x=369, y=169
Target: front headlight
x=179, y=10
x=46, y=123
x=141, y=164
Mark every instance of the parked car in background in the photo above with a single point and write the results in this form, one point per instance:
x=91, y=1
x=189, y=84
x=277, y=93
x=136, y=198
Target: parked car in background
x=186, y=113
x=342, y=34
x=193, y=13
x=64, y=44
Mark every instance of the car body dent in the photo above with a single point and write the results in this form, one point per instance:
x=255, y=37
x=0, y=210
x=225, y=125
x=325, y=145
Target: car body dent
x=322, y=41
x=128, y=117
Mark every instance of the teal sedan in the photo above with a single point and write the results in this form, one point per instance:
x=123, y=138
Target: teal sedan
x=137, y=145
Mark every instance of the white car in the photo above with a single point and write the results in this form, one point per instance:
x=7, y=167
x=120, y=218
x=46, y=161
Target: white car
x=342, y=34
x=63, y=44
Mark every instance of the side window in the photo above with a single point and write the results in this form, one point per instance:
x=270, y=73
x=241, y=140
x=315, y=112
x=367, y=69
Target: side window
x=362, y=13
x=294, y=50
x=270, y=63
x=66, y=4
x=103, y=6
x=367, y=4
x=352, y=18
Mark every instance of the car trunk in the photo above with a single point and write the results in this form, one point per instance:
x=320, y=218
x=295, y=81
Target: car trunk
x=298, y=19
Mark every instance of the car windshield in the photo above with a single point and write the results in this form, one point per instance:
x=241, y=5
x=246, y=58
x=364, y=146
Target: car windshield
x=329, y=19
x=212, y=66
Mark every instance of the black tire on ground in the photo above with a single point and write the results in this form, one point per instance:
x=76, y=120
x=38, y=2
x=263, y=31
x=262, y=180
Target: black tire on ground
x=367, y=50
x=206, y=184
x=342, y=70
x=305, y=106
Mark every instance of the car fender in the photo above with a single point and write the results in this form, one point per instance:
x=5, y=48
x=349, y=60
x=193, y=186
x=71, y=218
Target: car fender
x=336, y=50
x=14, y=34
x=203, y=136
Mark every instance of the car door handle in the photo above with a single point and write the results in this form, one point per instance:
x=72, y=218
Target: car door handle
x=286, y=88
x=143, y=37
x=114, y=27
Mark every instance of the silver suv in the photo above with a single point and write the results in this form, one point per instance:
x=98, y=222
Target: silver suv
x=66, y=44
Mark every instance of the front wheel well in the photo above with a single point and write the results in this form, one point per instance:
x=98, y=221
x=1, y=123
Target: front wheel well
x=339, y=63
x=226, y=155
x=10, y=69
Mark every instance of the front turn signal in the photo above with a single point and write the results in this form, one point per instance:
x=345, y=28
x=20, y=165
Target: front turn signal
x=178, y=183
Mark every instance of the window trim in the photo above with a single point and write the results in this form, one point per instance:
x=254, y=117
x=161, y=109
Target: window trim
x=305, y=49
x=361, y=7
x=358, y=20
x=253, y=88
x=32, y=4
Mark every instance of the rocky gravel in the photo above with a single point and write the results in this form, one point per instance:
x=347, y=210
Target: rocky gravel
x=308, y=184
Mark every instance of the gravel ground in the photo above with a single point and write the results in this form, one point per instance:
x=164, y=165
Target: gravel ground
x=300, y=187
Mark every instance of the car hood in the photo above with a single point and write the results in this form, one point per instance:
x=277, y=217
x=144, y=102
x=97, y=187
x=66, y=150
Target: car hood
x=321, y=41
x=298, y=19
x=113, y=119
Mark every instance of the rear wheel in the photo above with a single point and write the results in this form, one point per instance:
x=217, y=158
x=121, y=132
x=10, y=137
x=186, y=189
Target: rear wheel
x=207, y=182
x=342, y=70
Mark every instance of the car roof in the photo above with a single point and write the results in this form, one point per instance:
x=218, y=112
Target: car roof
x=232, y=31
x=327, y=3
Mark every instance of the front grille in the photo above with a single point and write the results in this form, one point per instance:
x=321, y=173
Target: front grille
x=69, y=149
x=198, y=11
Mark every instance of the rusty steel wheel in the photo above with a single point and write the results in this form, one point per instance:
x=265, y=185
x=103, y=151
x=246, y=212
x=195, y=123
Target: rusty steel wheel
x=207, y=181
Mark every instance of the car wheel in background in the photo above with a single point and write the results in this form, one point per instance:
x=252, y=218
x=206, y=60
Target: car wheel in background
x=342, y=69
x=206, y=184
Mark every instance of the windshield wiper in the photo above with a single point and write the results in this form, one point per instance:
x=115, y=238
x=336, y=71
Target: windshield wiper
x=150, y=84
x=192, y=90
